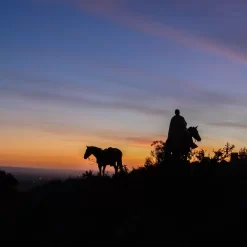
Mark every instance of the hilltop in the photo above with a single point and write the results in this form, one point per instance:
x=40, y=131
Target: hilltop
x=154, y=203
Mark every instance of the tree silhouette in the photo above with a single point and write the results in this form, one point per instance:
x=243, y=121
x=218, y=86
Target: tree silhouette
x=157, y=154
x=223, y=153
x=200, y=155
x=125, y=169
x=149, y=161
x=7, y=180
x=242, y=154
x=192, y=155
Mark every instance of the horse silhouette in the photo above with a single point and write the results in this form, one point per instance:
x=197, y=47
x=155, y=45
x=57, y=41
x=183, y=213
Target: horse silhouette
x=109, y=156
x=179, y=147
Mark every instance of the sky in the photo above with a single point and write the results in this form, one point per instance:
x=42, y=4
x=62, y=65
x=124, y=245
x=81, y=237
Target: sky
x=111, y=73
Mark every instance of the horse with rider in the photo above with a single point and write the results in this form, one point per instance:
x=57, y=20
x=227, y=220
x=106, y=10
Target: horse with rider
x=180, y=139
x=178, y=144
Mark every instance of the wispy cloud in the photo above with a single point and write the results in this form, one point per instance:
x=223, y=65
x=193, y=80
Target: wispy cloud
x=81, y=101
x=229, y=124
x=140, y=141
x=179, y=90
x=72, y=132
x=118, y=11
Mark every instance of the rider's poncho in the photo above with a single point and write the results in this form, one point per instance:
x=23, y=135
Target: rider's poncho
x=177, y=127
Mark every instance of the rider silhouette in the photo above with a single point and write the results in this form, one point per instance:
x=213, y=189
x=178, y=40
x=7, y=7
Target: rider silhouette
x=178, y=128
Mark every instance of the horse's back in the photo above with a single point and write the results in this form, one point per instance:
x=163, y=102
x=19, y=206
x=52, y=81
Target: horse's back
x=111, y=154
x=114, y=150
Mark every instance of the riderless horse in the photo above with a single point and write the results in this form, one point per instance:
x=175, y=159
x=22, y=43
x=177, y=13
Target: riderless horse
x=109, y=156
x=179, y=147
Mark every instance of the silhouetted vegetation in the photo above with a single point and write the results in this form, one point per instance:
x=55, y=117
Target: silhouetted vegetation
x=7, y=181
x=199, y=201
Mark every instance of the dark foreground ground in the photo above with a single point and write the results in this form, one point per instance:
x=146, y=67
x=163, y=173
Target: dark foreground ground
x=155, y=206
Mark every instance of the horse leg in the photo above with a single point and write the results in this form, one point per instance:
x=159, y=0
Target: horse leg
x=100, y=169
x=120, y=164
x=116, y=169
x=104, y=170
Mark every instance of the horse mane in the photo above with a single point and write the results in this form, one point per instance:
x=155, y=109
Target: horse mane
x=96, y=148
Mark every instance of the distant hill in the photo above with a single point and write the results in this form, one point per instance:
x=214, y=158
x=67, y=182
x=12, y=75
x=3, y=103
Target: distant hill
x=28, y=170
x=29, y=177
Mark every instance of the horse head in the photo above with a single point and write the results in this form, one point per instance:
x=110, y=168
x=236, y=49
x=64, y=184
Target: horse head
x=88, y=152
x=194, y=133
x=91, y=150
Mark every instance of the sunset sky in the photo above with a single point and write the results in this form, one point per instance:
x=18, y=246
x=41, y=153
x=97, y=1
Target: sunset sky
x=111, y=73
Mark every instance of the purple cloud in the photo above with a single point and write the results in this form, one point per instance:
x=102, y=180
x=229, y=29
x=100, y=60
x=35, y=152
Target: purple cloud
x=37, y=87
x=229, y=124
x=225, y=42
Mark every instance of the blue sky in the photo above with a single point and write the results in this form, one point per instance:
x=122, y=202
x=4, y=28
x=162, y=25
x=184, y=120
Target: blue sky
x=113, y=72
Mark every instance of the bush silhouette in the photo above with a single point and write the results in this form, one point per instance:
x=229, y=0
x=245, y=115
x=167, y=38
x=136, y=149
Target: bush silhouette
x=7, y=180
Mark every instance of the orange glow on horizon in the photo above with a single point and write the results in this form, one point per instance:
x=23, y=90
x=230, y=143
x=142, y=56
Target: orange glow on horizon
x=133, y=157
x=29, y=148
